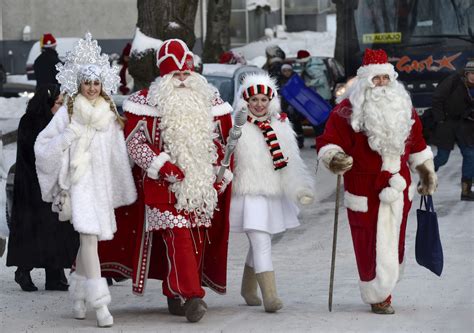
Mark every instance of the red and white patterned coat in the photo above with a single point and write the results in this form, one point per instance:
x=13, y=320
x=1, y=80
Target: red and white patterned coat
x=144, y=145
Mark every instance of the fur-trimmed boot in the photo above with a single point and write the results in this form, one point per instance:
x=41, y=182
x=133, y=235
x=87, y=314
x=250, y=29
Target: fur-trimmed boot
x=249, y=287
x=266, y=281
x=77, y=290
x=384, y=307
x=194, y=309
x=98, y=296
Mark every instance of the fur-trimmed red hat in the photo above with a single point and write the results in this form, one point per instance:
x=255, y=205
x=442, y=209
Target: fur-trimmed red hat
x=375, y=62
x=47, y=41
x=173, y=56
x=302, y=56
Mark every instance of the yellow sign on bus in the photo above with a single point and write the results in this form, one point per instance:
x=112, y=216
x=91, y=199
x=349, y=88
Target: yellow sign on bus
x=386, y=37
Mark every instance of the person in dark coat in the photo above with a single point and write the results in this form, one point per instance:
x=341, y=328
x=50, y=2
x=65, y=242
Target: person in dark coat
x=453, y=112
x=37, y=238
x=45, y=64
x=295, y=117
x=275, y=57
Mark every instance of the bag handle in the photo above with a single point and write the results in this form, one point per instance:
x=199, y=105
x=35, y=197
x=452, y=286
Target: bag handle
x=428, y=201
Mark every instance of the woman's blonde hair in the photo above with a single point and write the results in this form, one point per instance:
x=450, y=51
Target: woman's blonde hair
x=113, y=108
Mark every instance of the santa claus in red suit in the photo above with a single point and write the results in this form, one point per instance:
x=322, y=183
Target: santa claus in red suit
x=374, y=137
x=176, y=133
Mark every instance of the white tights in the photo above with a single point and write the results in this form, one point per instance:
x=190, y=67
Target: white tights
x=87, y=260
x=260, y=251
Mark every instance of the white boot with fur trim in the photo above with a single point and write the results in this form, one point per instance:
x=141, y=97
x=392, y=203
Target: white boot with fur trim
x=77, y=290
x=98, y=296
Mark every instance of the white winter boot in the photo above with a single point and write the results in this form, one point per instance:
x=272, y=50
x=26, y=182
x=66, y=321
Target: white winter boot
x=98, y=296
x=77, y=290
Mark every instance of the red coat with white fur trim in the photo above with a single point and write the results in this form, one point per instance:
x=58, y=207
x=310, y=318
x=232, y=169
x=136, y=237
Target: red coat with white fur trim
x=378, y=197
x=130, y=253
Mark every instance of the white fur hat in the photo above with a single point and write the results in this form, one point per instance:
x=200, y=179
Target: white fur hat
x=253, y=81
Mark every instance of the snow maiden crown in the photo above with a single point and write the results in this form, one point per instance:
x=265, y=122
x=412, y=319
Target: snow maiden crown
x=85, y=63
x=173, y=56
x=375, y=62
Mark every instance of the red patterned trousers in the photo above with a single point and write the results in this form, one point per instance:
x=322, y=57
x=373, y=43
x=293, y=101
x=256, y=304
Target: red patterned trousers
x=184, y=249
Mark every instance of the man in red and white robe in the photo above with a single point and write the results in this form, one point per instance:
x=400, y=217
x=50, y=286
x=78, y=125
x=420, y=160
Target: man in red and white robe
x=176, y=134
x=374, y=137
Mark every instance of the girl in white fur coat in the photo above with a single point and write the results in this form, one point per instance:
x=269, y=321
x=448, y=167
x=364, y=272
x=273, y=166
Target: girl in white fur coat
x=269, y=178
x=82, y=152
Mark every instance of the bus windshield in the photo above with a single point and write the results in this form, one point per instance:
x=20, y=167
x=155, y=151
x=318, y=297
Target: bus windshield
x=409, y=21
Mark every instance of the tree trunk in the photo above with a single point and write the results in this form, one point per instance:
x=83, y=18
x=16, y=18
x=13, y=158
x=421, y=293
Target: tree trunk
x=161, y=19
x=347, y=43
x=218, y=32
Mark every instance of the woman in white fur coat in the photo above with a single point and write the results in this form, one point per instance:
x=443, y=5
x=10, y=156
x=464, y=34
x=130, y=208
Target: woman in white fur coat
x=269, y=179
x=82, y=153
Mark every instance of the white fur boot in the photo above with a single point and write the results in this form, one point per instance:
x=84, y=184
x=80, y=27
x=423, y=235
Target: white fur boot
x=77, y=290
x=98, y=296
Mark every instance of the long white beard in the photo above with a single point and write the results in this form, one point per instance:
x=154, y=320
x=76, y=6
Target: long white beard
x=187, y=130
x=385, y=115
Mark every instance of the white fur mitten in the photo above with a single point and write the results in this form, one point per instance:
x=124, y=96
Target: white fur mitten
x=305, y=196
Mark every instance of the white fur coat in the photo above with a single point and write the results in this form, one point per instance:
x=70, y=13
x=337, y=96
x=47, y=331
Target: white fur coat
x=106, y=181
x=253, y=171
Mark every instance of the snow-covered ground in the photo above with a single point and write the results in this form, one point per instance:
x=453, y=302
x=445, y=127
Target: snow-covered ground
x=423, y=301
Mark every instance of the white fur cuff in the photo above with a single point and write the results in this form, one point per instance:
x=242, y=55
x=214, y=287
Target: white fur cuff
x=356, y=203
x=157, y=164
x=305, y=196
x=228, y=176
x=419, y=158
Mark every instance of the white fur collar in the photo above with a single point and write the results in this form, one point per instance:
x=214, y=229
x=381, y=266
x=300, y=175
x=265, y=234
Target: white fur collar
x=97, y=116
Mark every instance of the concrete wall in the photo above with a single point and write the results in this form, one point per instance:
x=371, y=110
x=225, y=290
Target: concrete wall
x=105, y=19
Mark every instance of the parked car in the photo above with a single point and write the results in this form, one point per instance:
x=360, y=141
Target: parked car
x=228, y=78
x=63, y=45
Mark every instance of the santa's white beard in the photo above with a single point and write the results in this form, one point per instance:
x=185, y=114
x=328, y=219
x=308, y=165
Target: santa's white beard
x=385, y=116
x=187, y=130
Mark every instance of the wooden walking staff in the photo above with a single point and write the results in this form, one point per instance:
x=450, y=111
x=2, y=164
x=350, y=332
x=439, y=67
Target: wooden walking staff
x=334, y=242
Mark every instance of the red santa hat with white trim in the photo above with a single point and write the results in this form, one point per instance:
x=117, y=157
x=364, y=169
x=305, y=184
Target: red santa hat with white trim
x=375, y=62
x=174, y=56
x=47, y=41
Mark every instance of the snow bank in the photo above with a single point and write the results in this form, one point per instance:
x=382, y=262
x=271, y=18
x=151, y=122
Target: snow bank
x=13, y=107
x=23, y=79
x=142, y=42
x=316, y=43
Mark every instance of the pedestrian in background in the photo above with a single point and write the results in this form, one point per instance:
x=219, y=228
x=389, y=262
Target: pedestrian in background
x=275, y=58
x=295, y=117
x=126, y=80
x=37, y=238
x=453, y=112
x=45, y=64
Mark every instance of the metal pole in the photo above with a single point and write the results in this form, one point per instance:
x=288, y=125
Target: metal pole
x=334, y=243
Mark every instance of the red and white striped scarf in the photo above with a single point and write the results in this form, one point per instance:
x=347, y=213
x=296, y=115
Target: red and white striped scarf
x=279, y=160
